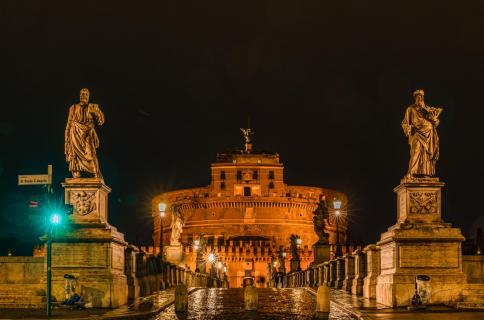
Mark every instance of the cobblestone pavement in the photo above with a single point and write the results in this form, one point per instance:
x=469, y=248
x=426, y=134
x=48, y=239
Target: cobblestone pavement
x=222, y=304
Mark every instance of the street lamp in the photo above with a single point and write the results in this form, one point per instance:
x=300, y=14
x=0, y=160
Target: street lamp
x=211, y=257
x=54, y=220
x=337, y=214
x=162, y=211
x=298, y=242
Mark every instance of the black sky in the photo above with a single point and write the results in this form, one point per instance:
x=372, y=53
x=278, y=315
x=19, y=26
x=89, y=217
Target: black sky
x=325, y=83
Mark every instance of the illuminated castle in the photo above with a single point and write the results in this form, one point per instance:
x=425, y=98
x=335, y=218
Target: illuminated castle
x=247, y=214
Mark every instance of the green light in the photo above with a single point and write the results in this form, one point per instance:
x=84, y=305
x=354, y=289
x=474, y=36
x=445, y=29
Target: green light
x=55, y=218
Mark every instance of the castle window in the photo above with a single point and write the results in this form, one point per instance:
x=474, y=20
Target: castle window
x=222, y=175
x=271, y=174
x=247, y=192
x=222, y=185
x=288, y=195
x=255, y=175
x=271, y=185
x=239, y=175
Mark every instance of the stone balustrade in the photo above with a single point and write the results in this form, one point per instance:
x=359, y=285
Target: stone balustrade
x=357, y=272
x=148, y=273
x=347, y=272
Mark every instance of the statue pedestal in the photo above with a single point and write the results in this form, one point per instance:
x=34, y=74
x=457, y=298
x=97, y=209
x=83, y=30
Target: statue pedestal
x=174, y=254
x=90, y=249
x=321, y=253
x=419, y=244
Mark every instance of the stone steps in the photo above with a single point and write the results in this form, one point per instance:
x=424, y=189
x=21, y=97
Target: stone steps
x=20, y=292
x=19, y=296
x=473, y=288
x=469, y=305
x=473, y=296
x=22, y=305
x=26, y=299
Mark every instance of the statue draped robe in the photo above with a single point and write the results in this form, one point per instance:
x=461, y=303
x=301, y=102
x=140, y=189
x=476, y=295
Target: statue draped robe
x=81, y=140
x=420, y=124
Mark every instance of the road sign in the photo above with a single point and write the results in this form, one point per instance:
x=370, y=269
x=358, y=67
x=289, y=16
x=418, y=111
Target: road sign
x=33, y=204
x=34, y=179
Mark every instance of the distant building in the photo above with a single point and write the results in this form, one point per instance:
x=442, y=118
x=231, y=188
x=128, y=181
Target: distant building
x=247, y=214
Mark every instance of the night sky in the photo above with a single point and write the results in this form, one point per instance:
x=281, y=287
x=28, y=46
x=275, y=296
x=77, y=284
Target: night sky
x=325, y=84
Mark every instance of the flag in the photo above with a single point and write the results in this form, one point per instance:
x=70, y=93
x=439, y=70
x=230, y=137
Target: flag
x=33, y=204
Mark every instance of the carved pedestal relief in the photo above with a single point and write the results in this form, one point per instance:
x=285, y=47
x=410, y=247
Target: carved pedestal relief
x=84, y=202
x=423, y=202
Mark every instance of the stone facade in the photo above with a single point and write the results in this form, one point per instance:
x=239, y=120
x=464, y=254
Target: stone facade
x=247, y=205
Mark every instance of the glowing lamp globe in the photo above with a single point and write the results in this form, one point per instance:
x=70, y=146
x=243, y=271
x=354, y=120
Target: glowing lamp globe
x=162, y=208
x=55, y=218
x=337, y=204
x=211, y=257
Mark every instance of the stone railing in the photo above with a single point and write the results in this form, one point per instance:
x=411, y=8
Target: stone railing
x=354, y=272
x=148, y=273
x=357, y=273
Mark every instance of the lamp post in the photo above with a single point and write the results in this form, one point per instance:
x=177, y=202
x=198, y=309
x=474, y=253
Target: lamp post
x=337, y=214
x=199, y=247
x=162, y=211
x=211, y=258
x=54, y=220
x=299, y=242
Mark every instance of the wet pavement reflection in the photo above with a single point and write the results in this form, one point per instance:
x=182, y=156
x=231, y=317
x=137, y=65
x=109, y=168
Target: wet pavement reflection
x=222, y=304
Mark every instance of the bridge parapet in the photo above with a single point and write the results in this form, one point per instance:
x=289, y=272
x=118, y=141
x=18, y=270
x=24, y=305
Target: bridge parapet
x=147, y=273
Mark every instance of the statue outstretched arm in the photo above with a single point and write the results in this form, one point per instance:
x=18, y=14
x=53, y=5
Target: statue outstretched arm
x=98, y=114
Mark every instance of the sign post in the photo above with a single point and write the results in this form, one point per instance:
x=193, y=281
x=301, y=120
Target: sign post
x=46, y=180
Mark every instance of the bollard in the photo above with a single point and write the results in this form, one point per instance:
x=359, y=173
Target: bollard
x=181, y=298
x=322, y=303
x=251, y=298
